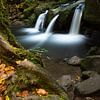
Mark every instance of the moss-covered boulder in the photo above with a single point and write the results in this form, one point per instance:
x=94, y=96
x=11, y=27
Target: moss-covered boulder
x=91, y=63
x=28, y=73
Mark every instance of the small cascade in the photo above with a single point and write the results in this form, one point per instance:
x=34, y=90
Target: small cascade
x=51, y=24
x=75, y=25
x=38, y=26
x=40, y=21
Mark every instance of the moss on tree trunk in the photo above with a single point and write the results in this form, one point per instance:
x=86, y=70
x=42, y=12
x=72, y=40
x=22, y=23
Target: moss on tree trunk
x=29, y=73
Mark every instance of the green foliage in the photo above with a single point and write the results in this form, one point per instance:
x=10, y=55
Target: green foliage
x=32, y=19
x=38, y=51
x=85, y=63
x=29, y=1
x=3, y=14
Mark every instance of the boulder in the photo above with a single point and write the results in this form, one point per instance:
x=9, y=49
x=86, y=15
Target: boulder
x=74, y=60
x=88, y=74
x=91, y=63
x=65, y=81
x=88, y=86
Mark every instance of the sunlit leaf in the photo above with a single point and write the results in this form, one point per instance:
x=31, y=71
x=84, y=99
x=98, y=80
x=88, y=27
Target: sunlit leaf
x=25, y=93
x=41, y=92
x=2, y=80
x=7, y=98
x=4, y=76
x=2, y=88
x=18, y=62
x=2, y=66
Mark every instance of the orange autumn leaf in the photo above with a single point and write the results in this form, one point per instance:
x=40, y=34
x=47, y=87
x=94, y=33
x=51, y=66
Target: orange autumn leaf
x=11, y=67
x=1, y=98
x=25, y=93
x=4, y=76
x=10, y=72
x=8, y=68
x=2, y=88
x=2, y=80
x=5, y=72
x=41, y=92
x=2, y=66
x=18, y=62
x=1, y=73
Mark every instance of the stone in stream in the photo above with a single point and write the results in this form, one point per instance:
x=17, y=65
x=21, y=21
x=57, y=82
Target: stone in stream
x=74, y=60
x=88, y=74
x=88, y=86
x=91, y=63
x=65, y=81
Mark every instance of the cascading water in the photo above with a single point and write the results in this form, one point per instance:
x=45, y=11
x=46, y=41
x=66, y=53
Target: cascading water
x=59, y=45
x=75, y=25
x=73, y=37
x=38, y=26
x=40, y=21
x=51, y=24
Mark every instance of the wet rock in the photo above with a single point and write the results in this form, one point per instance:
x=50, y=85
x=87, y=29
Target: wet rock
x=91, y=63
x=65, y=81
x=74, y=61
x=88, y=86
x=88, y=74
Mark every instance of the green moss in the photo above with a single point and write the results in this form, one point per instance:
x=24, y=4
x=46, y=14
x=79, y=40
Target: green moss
x=28, y=11
x=85, y=63
x=32, y=20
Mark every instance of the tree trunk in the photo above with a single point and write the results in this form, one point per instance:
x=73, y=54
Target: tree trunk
x=29, y=72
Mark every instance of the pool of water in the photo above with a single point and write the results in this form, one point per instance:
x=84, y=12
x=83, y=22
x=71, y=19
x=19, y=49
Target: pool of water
x=59, y=45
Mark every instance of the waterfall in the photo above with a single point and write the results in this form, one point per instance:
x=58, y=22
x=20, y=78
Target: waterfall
x=40, y=21
x=76, y=20
x=51, y=24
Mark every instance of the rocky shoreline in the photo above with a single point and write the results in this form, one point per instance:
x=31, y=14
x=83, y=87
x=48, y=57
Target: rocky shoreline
x=80, y=85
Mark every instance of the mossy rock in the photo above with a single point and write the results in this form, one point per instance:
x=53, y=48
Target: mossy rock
x=91, y=63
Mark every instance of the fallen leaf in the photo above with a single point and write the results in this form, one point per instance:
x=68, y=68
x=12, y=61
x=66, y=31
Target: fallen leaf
x=2, y=66
x=3, y=76
x=2, y=88
x=18, y=62
x=2, y=80
x=1, y=98
x=41, y=92
x=10, y=72
x=25, y=93
x=8, y=68
x=7, y=98
x=25, y=60
x=11, y=67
